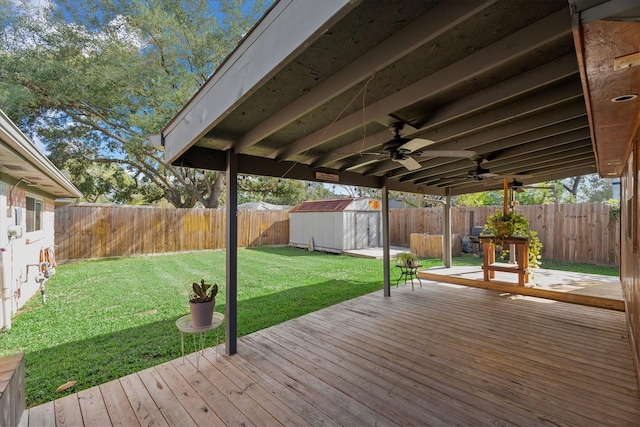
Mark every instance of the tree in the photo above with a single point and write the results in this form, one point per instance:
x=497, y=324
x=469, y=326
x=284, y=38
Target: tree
x=586, y=188
x=92, y=79
x=485, y=198
x=279, y=191
x=354, y=191
x=595, y=189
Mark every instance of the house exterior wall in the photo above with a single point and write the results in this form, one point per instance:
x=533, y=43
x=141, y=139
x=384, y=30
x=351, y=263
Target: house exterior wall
x=629, y=248
x=20, y=256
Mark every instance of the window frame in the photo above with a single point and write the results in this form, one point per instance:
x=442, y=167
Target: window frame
x=34, y=217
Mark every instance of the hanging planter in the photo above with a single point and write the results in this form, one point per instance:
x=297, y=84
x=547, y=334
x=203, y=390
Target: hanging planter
x=502, y=229
x=503, y=225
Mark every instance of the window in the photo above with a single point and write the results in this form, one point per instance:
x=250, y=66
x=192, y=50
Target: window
x=34, y=214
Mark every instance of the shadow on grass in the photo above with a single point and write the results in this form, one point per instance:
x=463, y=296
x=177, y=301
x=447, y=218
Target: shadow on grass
x=107, y=357
x=289, y=251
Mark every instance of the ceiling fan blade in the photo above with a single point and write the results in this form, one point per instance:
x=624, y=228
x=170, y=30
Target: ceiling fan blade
x=510, y=176
x=445, y=153
x=415, y=144
x=360, y=153
x=368, y=162
x=410, y=163
x=516, y=176
x=487, y=175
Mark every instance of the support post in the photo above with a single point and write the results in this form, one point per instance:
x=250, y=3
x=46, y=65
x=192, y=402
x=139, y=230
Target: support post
x=231, y=175
x=505, y=196
x=447, y=229
x=386, y=253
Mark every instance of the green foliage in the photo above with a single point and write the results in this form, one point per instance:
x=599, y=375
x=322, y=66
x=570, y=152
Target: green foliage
x=406, y=259
x=579, y=189
x=595, y=189
x=502, y=225
x=485, y=198
x=279, y=191
x=93, y=79
x=200, y=292
x=103, y=183
x=614, y=210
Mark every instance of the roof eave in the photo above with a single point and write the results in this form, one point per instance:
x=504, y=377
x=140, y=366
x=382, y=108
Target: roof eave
x=14, y=138
x=294, y=24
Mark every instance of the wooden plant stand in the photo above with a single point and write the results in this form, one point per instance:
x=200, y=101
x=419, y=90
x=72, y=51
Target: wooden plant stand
x=490, y=266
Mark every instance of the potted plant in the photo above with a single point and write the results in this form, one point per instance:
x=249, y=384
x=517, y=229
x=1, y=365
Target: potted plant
x=503, y=225
x=407, y=259
x=202, y=301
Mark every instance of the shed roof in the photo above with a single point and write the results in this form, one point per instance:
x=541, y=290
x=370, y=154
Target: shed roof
x=325, y=205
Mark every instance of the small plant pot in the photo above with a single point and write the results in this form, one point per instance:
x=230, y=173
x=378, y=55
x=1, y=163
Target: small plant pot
x=201, y=313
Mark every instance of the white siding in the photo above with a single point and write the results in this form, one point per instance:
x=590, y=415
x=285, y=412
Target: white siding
x=21, y=255
x=367, y=226
x=358, y=226
x=326, y=229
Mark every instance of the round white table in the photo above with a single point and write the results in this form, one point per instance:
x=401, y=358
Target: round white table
x=184, y=326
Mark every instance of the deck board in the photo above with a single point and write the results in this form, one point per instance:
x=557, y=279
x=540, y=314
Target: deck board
x=92, y=407
x=118, y=406
x=146, y=410
x=587, y=289
x=439, y=355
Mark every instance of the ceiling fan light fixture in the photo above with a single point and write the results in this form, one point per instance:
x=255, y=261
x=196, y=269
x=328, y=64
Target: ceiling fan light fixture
x=624, y=98
x=516, y=185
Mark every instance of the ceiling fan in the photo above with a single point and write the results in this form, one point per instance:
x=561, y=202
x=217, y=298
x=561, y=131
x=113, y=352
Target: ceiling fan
x=479, y=173
x=406, y=150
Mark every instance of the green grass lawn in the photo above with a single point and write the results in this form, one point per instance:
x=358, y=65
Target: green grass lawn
x=105, y=319
x=108, y=318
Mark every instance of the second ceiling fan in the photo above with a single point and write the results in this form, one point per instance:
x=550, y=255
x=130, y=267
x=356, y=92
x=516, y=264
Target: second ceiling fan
x=406, y=150
x=479, y=173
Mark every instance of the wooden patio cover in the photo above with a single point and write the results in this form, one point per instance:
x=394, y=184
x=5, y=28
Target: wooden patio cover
x=312, y=89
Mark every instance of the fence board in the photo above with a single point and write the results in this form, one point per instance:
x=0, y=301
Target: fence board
x=577, y=233
x=95, y=231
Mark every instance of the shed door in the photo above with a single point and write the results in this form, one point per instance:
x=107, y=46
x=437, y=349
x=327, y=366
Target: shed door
x=367, y=230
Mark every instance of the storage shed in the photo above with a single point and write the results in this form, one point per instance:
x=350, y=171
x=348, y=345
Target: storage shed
x=336, y=225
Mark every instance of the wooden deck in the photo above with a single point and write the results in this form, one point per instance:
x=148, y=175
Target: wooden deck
x=588, y=289
x=440, y=355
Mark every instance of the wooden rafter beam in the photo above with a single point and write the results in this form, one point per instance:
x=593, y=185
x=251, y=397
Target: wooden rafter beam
x=440, y=19
x=526, y=40
x=518, y=86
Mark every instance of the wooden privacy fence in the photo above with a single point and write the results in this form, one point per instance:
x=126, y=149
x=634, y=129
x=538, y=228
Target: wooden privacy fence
x=577, y=232
x=583, y=232
x=95, y=231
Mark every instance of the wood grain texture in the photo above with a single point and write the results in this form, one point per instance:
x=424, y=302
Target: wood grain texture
x=440, y=355
x=576, y=233
x=591, y=290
